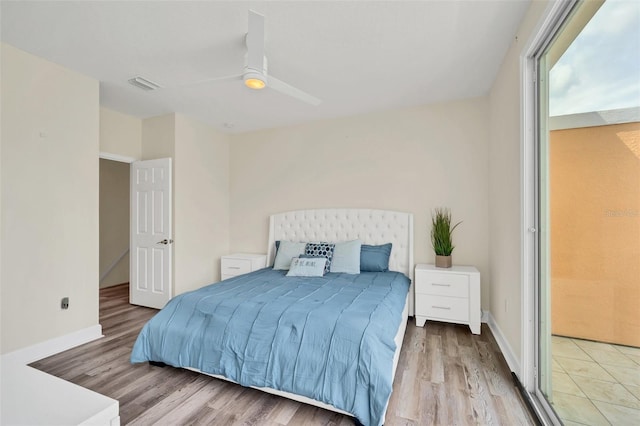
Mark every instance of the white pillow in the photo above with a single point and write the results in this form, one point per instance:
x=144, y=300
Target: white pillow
x=287, y=250
x=307, y=267
x=346, y=257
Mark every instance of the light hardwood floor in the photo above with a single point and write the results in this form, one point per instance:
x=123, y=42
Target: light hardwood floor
x=445, y=376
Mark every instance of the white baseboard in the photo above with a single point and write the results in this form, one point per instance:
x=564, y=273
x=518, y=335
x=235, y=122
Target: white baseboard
x=53, y=346
x=484, y=317
x=503, y=343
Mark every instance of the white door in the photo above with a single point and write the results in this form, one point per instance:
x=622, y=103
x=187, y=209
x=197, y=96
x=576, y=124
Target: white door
x=151, y=234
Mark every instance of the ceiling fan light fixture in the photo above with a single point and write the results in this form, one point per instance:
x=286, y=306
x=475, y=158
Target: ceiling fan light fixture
x=254, y=80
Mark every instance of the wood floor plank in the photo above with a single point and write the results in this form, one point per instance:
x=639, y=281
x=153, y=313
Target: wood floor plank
x=232, y=393
x=450, y=342
x=189, y=409
x=428, y=403
x=434, y=368
x=454, y=373
x=204, y=416
x=171, y=382
x=463, y=335
x=225, y=418
x=282, y=413
x=481, y=400
x=399, y=421
x=491, y=369
x=506, y=415
x=407, y=404
x=445, y=376
x=160, y=407
x=308, y=415
x=259, y=408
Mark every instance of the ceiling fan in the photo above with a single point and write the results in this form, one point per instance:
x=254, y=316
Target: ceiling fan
x=255, y=74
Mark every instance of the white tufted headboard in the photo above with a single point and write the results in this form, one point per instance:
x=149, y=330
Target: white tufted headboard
x=333, y=225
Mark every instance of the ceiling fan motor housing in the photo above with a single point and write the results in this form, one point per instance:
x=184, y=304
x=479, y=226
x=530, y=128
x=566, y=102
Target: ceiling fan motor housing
x=253, y=76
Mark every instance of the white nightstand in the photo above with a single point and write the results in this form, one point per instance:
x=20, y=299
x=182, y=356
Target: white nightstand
x=448, y=294
x=241, y=263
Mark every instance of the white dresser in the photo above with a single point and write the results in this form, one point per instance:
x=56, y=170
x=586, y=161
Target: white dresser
x=241, y=263
x=448, y=294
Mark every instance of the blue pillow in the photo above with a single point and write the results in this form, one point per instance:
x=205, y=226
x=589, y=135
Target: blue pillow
x=375, y=258
x=287, y=250
x=346, y=257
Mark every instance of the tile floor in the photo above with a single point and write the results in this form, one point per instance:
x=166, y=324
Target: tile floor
x=595, y=383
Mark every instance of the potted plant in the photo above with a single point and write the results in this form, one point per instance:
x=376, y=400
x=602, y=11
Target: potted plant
x=441, y=231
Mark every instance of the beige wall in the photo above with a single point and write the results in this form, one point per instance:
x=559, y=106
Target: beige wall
x=200, y=195
x=114, y=222
x=158, y=137
x=411, y=160
x=505, y=240
x=120, y=134
x=201, y=201
x=595, y=233
x=50, y=133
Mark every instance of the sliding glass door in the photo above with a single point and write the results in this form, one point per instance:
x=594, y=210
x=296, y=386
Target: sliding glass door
x=587, y=225
x=544, y=265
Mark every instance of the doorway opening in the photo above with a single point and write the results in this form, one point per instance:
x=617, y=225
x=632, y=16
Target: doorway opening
x=114, y=223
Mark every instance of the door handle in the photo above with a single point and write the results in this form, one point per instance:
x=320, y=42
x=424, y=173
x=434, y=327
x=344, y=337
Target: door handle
x=165, y=242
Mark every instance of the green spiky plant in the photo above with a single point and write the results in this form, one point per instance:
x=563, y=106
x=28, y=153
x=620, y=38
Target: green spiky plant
x=441, y=231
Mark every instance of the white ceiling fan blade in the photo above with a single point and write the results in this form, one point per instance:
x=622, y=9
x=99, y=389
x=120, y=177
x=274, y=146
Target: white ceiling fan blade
x=255, y=42
x=283, y=87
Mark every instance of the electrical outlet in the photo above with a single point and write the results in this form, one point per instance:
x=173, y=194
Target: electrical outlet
x=64, y=304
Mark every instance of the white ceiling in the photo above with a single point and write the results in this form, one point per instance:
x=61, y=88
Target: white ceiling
x=357, y=56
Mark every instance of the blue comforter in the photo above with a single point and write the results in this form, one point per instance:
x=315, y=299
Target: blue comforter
x=329, y=338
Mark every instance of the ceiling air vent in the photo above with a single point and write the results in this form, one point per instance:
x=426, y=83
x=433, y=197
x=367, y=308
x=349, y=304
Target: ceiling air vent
x=143, y=83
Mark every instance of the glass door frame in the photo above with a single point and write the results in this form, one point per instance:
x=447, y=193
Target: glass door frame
x=533, y=84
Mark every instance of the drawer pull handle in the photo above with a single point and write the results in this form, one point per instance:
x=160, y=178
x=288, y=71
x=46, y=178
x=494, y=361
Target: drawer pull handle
x=442, y=285
x=448, y=308
x=233, y=267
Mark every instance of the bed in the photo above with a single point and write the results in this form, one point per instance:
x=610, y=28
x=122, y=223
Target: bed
x=330, y=341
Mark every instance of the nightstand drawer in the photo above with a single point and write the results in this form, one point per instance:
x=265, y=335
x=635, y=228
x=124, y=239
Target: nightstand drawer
x=442, y=284
x=235, y=266
x=442, y=307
